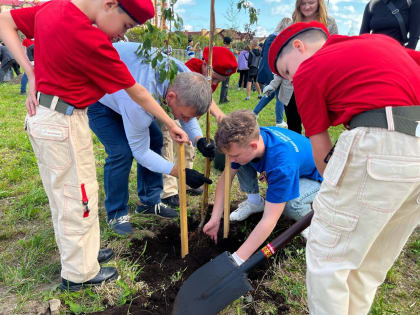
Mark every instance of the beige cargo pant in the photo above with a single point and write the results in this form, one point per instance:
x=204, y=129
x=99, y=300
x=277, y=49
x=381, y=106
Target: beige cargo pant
x=367, y=207
x=63, y=147
x=170, y=183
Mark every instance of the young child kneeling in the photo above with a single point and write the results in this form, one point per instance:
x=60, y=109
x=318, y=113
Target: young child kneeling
x=283, y=157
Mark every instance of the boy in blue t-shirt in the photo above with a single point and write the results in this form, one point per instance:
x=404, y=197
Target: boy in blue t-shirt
x=284, y=160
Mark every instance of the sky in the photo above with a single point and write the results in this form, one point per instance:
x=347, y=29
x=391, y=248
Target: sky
x=196, y=14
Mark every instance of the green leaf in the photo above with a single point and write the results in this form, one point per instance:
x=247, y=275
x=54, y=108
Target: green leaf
x=154, y=62
x=75, y=308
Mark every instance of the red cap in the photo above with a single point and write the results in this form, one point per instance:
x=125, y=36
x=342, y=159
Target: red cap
x=27, y=42
x=287, y=35
x=139, y=10
x=224, y=61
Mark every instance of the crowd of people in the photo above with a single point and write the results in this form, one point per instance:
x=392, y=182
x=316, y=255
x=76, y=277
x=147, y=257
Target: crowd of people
x=364, y=190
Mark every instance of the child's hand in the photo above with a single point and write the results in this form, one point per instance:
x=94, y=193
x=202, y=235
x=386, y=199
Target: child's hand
x=31, y=101
x=211, y=228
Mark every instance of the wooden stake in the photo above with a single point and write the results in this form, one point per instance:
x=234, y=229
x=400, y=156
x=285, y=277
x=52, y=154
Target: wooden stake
x=226, y=205
x=182, y=193
x=205, y=201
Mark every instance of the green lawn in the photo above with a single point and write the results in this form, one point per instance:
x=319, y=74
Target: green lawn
x=29, y=261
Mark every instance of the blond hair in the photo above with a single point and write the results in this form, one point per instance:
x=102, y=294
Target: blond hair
x=321, y=15
x=285, y=22
x=239, y=127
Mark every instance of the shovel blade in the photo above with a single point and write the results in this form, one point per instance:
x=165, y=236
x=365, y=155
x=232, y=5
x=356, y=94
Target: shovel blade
x=211, y=288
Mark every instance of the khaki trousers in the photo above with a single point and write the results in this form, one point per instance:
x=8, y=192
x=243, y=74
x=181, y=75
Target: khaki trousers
x=63, y=147
x=170, y=183
x=367, y=207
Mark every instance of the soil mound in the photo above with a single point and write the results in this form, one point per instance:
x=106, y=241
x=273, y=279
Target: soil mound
x=164, y=270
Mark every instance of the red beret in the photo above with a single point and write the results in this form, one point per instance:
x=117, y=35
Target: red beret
x=223, y=62
x=139, y=10
x=27, y=42
x=287, y=35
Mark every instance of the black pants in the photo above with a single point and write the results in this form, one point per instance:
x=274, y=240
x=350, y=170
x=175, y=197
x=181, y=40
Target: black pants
x=224, y=91
x=294, y=122
x=7, y=66
x=243, y=78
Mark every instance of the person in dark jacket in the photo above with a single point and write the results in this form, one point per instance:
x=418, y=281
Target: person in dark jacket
x=7, y=62
x=265, y=76
x=254, y=59
x=404, y=25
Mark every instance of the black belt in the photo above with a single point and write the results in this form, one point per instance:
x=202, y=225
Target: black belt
x=61, y=107
x=406, y=119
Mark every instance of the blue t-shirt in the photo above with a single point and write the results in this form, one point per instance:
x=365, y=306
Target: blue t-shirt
x=190, y=53
x=288, y=156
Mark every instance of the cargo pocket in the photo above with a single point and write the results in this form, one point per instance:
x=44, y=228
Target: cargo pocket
x=383, y=172
x=329, y=233
x=50, y=144
x=73, y=220
x=338, y=160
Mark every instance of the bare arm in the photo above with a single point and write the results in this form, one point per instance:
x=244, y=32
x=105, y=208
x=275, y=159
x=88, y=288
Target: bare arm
x=272, y=213
x=216, y=112
x=142, y=97
x=8, y=33
x=212, y=227
x=321, y=145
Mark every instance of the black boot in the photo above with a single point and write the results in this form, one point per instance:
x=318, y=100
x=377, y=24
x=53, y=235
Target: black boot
x=105, y=255
x=105, y=274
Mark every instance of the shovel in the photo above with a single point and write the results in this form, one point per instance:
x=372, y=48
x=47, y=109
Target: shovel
x=221, y=281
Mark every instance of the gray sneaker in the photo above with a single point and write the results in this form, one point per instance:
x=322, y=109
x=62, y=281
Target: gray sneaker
x=158, y=209
x=121, y=225
x=245, y=209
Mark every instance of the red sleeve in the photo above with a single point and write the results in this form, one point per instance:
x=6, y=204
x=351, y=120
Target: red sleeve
x=104, y=66
x=414, y=54
x=25, y=19
x=311, y=106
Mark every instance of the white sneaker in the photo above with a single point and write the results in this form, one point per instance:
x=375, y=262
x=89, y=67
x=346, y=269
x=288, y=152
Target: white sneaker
x=283, y=124
x=245, y=209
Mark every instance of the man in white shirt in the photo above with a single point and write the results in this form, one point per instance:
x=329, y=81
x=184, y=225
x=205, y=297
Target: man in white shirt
x=127, y=130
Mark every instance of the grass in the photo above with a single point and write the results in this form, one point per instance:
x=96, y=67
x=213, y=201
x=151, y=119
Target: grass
x=29, y=260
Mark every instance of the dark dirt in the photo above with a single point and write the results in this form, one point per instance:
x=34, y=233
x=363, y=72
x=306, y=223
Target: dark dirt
x=162, y=263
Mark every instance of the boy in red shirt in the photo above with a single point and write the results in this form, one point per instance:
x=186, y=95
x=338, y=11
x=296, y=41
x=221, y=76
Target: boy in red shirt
x=369, y=201
x=76, y=65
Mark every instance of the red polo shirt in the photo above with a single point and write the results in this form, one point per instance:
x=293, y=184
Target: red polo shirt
x=195, y=65
x=350, y=75
x=74, y=59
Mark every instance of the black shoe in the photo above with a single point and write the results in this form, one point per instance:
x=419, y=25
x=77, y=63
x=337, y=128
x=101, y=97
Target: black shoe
x=104, y=275
x=195, y=191
x=158, y=209
x=105, y=255
x=172, y=201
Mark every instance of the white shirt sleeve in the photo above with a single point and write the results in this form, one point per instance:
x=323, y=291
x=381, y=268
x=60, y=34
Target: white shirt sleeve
x=192, y=128
x=136, y=124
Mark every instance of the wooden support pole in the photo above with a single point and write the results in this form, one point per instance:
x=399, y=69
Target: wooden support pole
x=156, y=13
x=226, y=205
x=205, y=201
x=182, y=193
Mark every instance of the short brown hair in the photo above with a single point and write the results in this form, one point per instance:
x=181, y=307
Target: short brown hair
x=239, y=127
